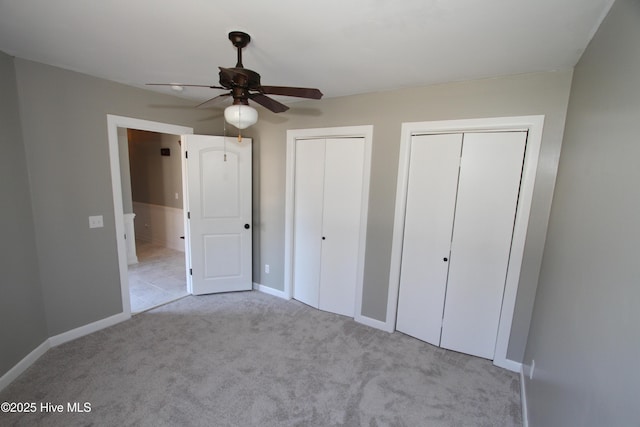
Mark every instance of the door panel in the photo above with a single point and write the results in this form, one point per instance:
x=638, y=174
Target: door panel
x=431, y=197
x=222, y=256
x=343, y=181
x=307, y=226
x=489, y=181
x=219, y=202
x=220, y=194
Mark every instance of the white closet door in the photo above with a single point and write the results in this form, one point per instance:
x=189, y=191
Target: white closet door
x=489, y=181
x=308, y=206
x=343, y=180
x=431, y=197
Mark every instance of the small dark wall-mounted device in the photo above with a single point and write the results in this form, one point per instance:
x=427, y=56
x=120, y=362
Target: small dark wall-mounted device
x=165, y=151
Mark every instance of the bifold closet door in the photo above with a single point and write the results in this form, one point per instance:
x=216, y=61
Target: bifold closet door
x=327, y=215
x=431, y=198
x=490, y=172
x=308, y=206
x=462, y=195
x=342, y=208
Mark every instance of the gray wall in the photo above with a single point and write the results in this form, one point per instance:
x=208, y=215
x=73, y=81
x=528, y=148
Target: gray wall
x=155, y=179
x=529, y=94
x=21, y=307
x=65, y=137
x=585, y=331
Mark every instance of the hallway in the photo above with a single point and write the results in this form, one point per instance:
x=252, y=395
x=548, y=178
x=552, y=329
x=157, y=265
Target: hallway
x=158, y=278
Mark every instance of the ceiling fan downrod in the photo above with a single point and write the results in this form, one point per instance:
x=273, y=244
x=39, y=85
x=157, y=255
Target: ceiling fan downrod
x=239, y=40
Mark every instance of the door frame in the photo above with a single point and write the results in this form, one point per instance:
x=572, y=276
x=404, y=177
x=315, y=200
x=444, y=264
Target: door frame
x=113, y=123
x=366, y=132
x=533, y=125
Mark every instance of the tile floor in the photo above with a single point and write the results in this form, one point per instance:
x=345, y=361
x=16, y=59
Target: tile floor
x=158, y=278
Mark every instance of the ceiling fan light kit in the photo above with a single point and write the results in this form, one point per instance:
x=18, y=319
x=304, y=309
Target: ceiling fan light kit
x=244, y=85
x=241, y=116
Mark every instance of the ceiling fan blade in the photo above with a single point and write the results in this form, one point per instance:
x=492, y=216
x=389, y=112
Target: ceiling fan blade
x=300, y=92
x=268, y=103
x=185, y=85
x=211, y=102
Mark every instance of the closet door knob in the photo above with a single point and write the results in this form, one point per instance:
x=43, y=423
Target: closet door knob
x=445, y=259
x=323, y=237
x=246, y=226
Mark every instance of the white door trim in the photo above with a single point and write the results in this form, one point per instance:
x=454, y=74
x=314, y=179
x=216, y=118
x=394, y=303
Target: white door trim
x=365, y=132
x=532, y=124
x=113, y=123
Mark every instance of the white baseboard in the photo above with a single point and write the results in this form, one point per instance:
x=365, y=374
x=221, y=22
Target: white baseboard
x=23, y=364
x=56, y=340
x=270, y=291
x=374, y=323
x=508, y=364
x=87, y=329
x=523, y=397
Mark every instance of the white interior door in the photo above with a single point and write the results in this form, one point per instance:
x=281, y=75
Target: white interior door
x=341, y=215
x=219, y=235
x=307, y=225
x=489, y=182
x=431, y=198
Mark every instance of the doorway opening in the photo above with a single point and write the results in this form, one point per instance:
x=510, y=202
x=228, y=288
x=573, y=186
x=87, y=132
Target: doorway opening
x=151, y=253
x=152, y=199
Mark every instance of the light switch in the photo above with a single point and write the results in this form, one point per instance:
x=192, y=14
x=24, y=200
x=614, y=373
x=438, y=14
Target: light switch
x=96, y=221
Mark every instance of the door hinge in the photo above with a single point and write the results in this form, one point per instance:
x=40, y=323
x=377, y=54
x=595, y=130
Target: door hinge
x=188, y=215
x=125, y=236
x=191, y=271
x=186, y=154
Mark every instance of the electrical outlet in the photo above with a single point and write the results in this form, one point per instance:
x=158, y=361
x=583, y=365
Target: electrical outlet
x=533, y=366
x=266, y=268
x=96, y=221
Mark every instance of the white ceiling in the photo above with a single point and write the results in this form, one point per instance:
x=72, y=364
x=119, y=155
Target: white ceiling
x=342, y=47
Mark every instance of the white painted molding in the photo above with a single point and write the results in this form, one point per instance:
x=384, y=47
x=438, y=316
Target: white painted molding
x=113, y=123
x=523, y=398
x=293, y=135
x=24, y=364
x=532, y=124
x=508, y=364
x=56, y=340
x=90, y=328
x=130, y=232
x=269, y=290
x=374, y=323
x=160, y=225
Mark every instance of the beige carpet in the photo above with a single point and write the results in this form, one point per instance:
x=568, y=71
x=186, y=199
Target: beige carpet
x=250, y=359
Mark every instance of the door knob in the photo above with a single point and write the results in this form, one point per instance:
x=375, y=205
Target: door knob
x=246, y=226
x=323, y=237
x=445, y=259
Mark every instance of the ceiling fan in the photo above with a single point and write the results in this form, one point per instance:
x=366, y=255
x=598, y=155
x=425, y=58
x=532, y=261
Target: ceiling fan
x=244, y=85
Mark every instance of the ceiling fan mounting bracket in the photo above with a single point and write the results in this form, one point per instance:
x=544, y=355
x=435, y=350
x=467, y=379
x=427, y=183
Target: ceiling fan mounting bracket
x=239, y=39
